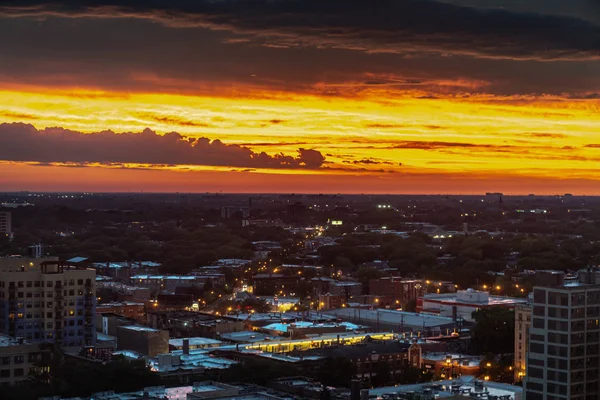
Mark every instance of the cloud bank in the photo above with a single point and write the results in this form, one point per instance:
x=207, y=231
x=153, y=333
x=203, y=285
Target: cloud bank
x=397, y=26
x=24, y=143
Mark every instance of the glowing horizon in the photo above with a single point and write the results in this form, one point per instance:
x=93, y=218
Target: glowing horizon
x=461, y=123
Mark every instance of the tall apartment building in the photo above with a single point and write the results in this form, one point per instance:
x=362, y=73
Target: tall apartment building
x=564, y=341
x=522, y=325
x=5, y=223
x=43, y=299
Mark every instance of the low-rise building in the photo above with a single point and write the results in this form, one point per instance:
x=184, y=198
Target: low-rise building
x=144, y=340
x=18, y=360
x=462, y=304
x=129, y=309
x=193, y=343
x=275, y=284
x=395, y=292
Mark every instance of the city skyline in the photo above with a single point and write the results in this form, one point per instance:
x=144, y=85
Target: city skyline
x=309, y=96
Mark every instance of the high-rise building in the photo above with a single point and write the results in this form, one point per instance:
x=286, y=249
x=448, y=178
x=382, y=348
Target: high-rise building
x=5, y=223
x=522, y=324
x=43, y=299
x=564, y=341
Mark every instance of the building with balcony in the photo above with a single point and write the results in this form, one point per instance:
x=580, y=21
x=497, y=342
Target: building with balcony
x=44, y=299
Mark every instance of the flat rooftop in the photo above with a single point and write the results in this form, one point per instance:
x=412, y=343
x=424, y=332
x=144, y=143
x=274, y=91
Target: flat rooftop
x=139, y=328
x=454, y=298
x=399, y=318
x=246, y=336
x=194, y=341
x=465, y=384
x=283, y=327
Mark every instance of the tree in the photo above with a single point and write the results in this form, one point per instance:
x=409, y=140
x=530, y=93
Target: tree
x=381, y=369
x=494, y=331
x=337, y=371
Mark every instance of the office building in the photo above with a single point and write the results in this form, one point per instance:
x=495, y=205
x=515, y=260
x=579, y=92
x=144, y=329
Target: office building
x=5, y=223
x=564, y=342
x=43, y=299
x=522, y=324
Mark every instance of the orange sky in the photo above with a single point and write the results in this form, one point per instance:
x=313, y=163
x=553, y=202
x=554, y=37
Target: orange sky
x=387, y=124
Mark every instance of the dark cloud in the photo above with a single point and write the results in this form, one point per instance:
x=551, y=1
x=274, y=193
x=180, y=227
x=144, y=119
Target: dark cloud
x=545, y=135
x=405, y=27
x=22, y=142
x=434, y=145
x=593, y=146
x=369, y=161
x=165, y=119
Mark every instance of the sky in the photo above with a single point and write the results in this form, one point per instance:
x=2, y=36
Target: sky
x=303, y=96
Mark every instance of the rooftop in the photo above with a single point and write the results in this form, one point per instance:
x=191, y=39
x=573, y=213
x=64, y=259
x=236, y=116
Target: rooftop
x=445, y=389
x=6, y=341
x=195, y=341
x=139, y=328
x=398, y=318
x=246, y=336
x=283, y=327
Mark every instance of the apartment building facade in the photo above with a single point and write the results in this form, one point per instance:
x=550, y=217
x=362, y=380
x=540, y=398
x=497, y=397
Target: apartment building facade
x=45, y=300
x=564, y=342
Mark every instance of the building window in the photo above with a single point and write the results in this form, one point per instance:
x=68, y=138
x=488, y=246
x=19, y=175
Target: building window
x=80, y=281
x=4, y=360
x=29, y=284
x=19, y=359
x=19, y=372
x=5, y=373
x=49, y=284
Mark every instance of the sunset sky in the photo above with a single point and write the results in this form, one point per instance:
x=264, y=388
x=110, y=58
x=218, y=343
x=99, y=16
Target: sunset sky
x=339, y=96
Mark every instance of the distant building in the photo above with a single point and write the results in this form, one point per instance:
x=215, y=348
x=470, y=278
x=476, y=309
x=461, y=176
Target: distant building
x=232, y=212
x=5, y=223
x=127, y=309
x=43, y=299
x=462, y=304
x=395, y=292
x=522, y=325
x=172, y=282
x=192, y=324
x=331, y=301
x=275, y=284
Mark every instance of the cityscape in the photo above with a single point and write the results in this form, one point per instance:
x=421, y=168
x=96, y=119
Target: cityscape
x=194, y=296
x=299, y=200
